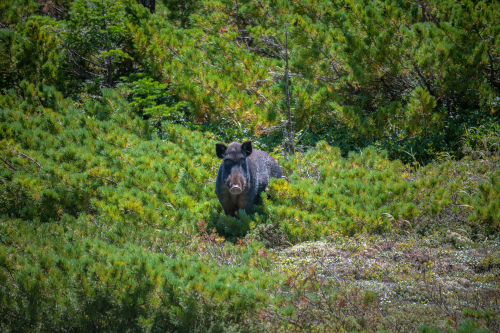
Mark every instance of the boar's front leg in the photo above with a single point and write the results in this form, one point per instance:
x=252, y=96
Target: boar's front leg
x=248, y=203
x=230, y=207
x=231, y=211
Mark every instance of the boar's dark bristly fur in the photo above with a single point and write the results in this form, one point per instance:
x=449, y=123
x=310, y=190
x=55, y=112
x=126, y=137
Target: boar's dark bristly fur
x=243, y=174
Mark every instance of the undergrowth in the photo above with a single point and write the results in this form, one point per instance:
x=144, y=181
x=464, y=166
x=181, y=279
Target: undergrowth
x=106, y=225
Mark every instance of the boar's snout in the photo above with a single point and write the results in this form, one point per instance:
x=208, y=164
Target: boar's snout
x=235, y=189
x=236, y=183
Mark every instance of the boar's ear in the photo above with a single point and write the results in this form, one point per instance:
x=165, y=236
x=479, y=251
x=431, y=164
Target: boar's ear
x=246, y=147
x=220, y=149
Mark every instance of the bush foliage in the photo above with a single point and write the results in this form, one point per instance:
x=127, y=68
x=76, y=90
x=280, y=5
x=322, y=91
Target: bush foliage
x=102, y=220
x=93, y=215
x=108, y=119
x=410, y=73
x=407, y=77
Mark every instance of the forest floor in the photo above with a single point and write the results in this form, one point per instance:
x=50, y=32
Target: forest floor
x=393, y=283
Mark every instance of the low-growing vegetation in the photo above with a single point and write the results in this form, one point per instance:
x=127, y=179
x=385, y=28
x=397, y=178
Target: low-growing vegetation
x=109, y=226
x=395, y=283
x=382, y=114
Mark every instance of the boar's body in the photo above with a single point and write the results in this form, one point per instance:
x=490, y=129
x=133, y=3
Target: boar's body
x=243, y=174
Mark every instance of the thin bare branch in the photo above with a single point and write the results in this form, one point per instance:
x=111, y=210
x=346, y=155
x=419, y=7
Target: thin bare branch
x=10, y=165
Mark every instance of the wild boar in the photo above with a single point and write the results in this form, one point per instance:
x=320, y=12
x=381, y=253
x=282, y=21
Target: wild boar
x=243, y=174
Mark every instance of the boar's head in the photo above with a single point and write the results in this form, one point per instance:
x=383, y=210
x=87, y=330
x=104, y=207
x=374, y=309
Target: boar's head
x=234, y=165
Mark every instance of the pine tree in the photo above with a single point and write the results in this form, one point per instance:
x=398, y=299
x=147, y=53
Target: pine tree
x=96, y=40
x=32, y=53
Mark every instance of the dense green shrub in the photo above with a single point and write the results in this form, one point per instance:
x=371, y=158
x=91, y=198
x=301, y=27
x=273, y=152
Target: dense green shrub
x=482, y=140
x=404, y=77
x=93, y=213
x=487, y=203
x=32, y=53
x=401, y=75
x=104, y=223
x=99, y=159
x=96, y=36
x=108, y=217
x=60, y=277
x=327, y=193
x=92, y=159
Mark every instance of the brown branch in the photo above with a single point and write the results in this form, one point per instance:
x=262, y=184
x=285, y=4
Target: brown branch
x=31, y=159
x=424, y=79
x=10, y=165
x=291, y=149
x=108, y=179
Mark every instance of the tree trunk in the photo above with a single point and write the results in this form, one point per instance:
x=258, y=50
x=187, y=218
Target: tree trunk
x=109, y=72
x=291, y=148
